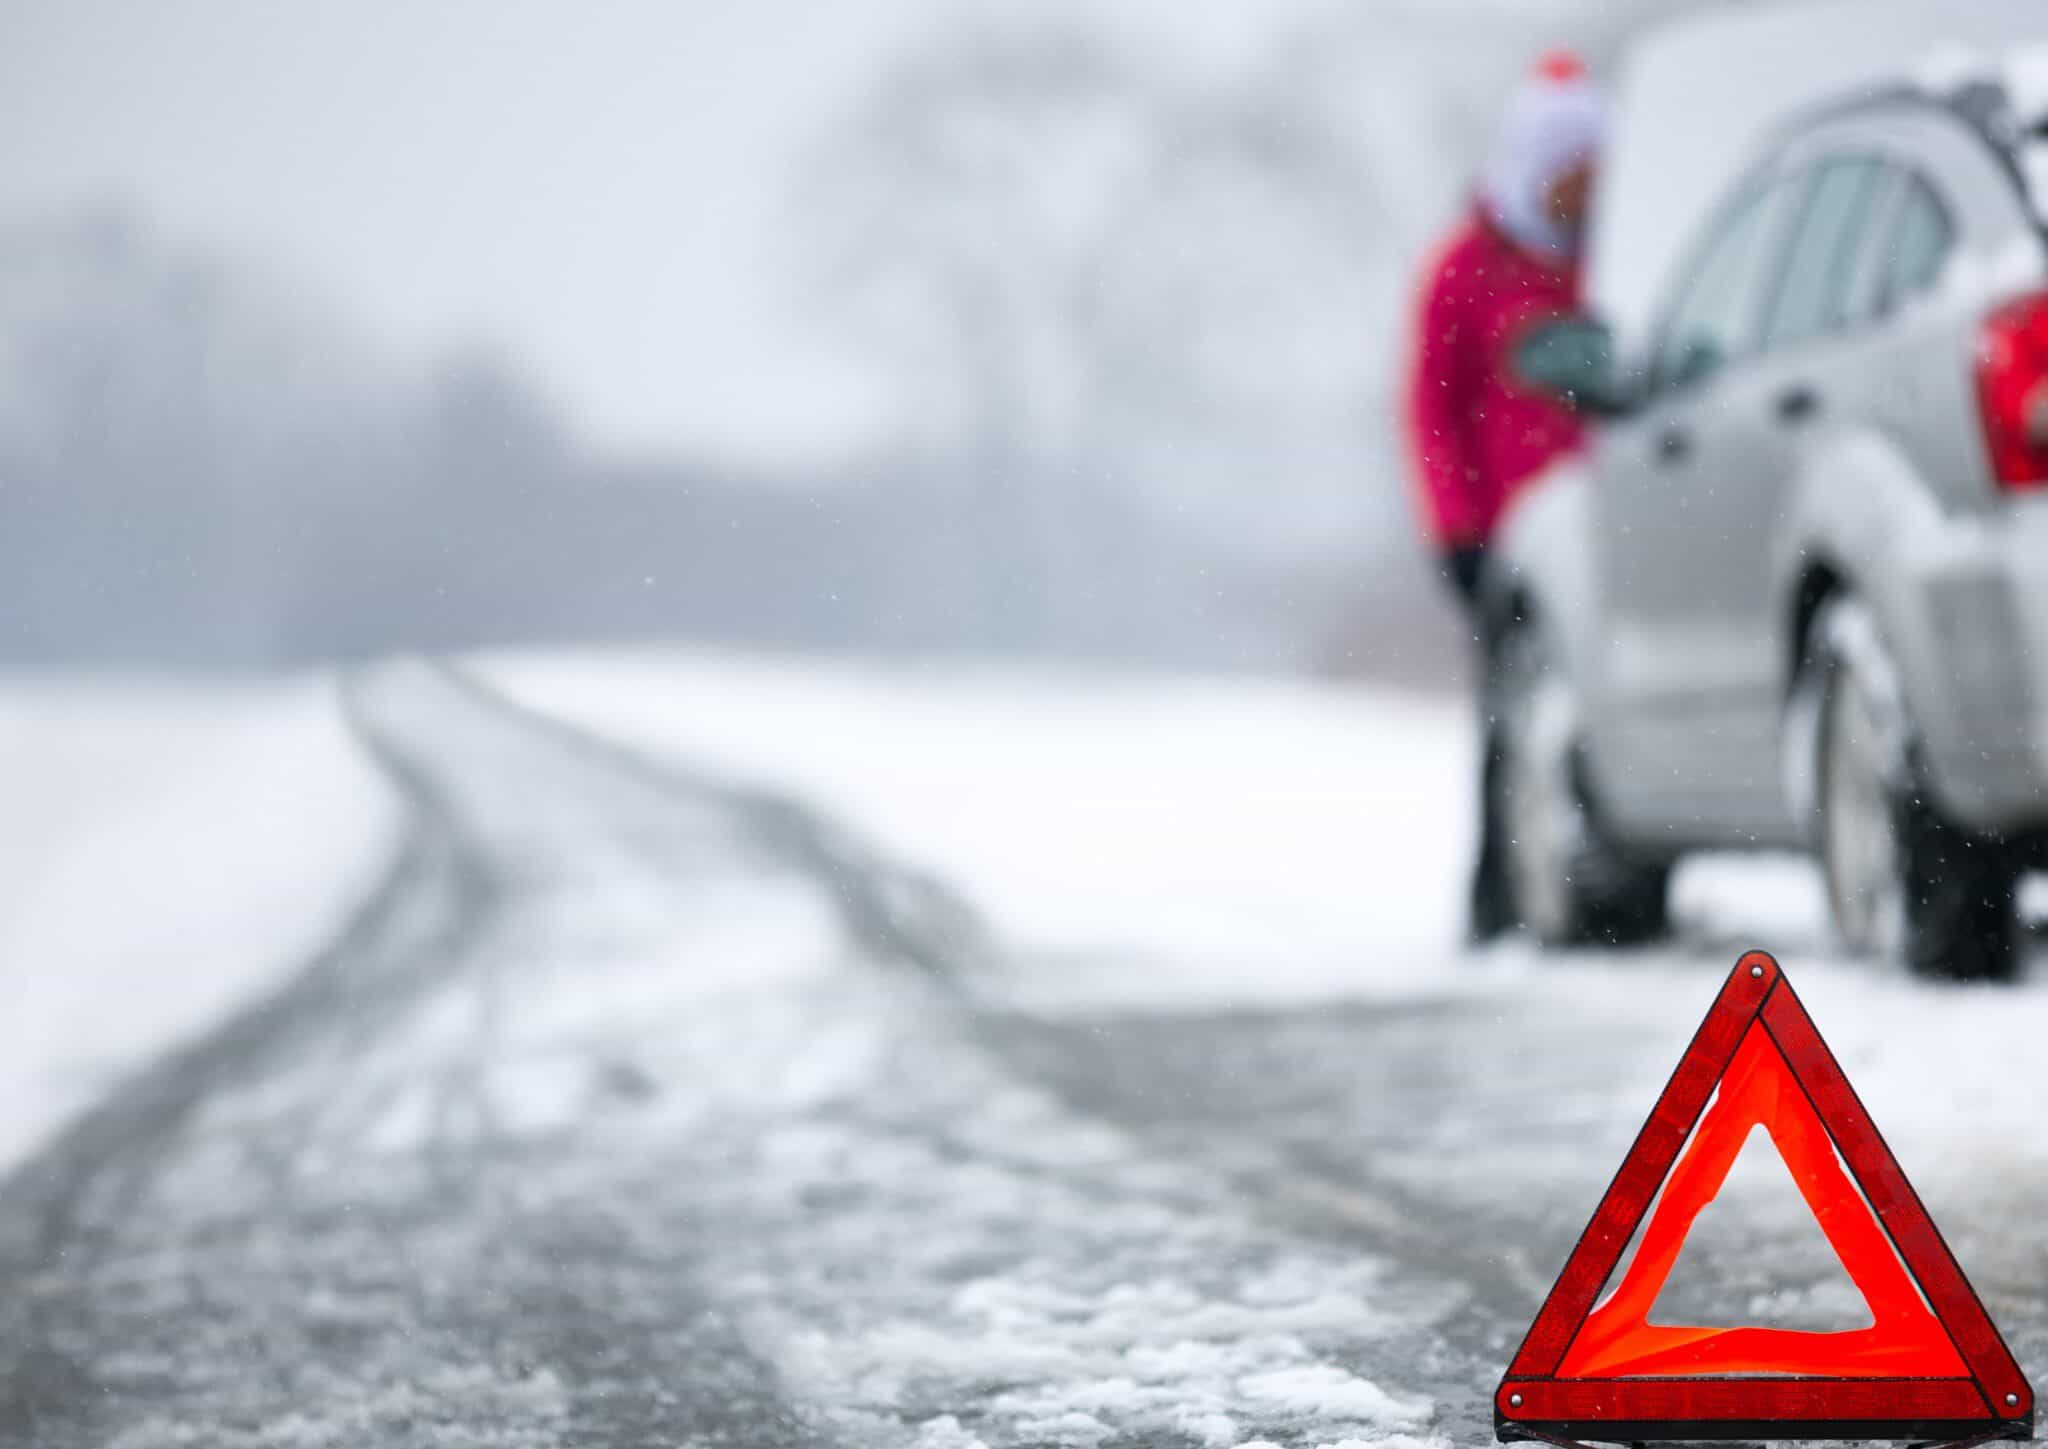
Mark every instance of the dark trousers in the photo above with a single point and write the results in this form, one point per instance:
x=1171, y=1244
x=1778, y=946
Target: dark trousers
x=1490, y=908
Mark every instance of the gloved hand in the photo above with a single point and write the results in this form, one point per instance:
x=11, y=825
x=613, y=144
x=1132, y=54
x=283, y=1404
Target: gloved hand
x=1463, y=565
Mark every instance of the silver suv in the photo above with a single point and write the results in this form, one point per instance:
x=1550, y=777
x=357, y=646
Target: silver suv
x=1796, y=591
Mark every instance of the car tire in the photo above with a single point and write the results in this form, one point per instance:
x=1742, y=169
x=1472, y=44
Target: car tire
x=1903, y=881
x=1566, y=881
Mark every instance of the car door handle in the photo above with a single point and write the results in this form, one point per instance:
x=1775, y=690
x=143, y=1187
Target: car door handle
x=1673, y=444
x=1797, y=403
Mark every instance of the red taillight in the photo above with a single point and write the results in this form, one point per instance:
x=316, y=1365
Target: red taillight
x=2012, y=391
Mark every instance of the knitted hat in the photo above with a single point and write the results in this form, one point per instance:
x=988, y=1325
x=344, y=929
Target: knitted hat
x=1554, y=121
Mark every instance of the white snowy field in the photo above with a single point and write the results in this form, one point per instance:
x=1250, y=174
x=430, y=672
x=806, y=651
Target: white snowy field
x=1185, y=840
x=167, y=849
x=1169, y=844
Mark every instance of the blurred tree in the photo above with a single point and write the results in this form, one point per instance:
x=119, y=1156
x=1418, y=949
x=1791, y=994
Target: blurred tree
x=962, y=214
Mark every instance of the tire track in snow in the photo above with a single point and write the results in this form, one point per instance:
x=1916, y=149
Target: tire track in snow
x=72, y=1214
x=60, y=1207
x=895, y=911
x=481, y=1269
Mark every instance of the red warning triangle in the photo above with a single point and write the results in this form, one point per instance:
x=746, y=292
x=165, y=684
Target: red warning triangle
x=1929, y=1366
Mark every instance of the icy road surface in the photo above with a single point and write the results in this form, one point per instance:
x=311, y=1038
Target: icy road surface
x=639, y=1107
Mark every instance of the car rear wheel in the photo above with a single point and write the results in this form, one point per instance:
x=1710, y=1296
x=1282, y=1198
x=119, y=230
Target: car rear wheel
x=1567, y=882
x=1903, y=881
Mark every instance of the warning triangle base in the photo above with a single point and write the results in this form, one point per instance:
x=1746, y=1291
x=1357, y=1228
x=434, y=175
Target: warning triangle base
x=1988, y=1436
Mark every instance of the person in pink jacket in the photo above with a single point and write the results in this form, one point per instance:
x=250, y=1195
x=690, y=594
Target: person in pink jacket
x=1476, y=435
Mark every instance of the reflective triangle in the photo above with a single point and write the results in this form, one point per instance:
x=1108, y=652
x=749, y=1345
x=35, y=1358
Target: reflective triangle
x=1930, y=1364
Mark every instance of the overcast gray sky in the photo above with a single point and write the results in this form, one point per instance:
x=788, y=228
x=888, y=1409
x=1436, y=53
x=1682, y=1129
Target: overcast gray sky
x=602, y=186
x=594, y=184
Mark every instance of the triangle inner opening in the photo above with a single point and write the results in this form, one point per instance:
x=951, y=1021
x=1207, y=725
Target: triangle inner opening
x=1757, y=1256
x=1901, y=1337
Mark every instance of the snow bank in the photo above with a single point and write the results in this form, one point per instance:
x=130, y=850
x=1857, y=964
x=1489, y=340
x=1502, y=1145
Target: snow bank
x=166, y=849
x=1259, y=840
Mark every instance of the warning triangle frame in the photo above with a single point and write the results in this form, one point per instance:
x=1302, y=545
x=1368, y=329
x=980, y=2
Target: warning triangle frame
x=1537, y=1400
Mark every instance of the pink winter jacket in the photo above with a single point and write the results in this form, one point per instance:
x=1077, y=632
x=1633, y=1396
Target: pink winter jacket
x=1476, y=434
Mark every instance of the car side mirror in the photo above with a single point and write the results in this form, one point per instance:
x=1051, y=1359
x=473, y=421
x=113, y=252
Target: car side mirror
x=1572, y=359
x=1699, y=360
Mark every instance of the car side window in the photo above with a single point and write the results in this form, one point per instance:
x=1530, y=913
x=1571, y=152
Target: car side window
x=1834, y=225
x=1718, y=316
x=1916, y=245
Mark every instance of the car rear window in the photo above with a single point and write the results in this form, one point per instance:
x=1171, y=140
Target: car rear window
x=1916, y=244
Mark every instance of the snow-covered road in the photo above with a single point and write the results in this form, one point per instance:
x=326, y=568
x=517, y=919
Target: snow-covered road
x=758, y=1084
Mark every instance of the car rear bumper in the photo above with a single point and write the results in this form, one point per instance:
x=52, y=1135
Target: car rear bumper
x=1970, y=622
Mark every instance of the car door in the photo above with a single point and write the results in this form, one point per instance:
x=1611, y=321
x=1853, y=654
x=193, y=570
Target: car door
x=1676, y=487
x=1774, y=408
